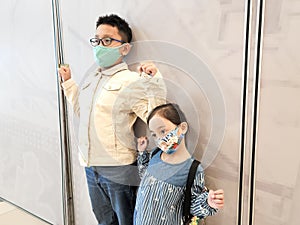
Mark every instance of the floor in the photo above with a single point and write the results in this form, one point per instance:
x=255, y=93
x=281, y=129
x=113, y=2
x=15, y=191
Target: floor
x=11, y=215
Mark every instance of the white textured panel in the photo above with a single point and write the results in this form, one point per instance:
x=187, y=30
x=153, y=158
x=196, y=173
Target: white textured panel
x=278, y=161
x=30, y=171
x=209, y=29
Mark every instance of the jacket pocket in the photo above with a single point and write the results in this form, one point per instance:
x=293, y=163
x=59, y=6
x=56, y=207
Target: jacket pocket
x=113, y=86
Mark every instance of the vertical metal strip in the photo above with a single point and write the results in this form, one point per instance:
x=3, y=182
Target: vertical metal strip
x=66, y=163
x=256, y=98
x=245, y=89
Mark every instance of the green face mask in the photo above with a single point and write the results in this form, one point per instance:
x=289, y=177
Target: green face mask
x=105, y=56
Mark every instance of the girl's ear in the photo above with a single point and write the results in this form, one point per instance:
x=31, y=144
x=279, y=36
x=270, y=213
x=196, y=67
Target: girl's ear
x=184, y=127
x=125, y=49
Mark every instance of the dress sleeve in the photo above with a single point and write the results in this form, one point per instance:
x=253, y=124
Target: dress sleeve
x=143, y=162
x=199, y=204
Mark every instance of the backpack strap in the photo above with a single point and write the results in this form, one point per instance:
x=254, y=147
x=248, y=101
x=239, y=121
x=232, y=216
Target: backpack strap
x=156, y=150
x=187, y=197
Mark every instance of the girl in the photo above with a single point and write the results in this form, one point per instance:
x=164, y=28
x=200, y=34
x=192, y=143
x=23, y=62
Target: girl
x=164, y=176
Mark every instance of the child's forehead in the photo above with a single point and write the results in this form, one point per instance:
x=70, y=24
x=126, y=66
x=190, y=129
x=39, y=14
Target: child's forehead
x=158, y=122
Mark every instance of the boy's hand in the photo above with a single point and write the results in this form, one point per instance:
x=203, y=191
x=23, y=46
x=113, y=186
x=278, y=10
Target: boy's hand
x=216, y=199
x=64, y=72
x=142, y=144
x=148, y=68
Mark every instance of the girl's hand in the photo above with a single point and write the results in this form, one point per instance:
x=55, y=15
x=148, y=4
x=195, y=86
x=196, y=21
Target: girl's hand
x=142, y=144
x=216, y=199
x=148, y=68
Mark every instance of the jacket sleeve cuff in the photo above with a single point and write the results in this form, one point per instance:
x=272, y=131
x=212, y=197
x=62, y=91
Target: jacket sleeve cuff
x=67, y=84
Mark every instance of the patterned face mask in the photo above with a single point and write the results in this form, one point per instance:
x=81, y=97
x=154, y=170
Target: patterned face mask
x=170, y=142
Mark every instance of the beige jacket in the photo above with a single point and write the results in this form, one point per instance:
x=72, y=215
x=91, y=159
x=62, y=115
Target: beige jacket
x=108, y=104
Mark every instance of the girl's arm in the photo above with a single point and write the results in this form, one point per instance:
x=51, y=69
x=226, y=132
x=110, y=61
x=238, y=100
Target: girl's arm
x=202, y=199
x=143, y=162
x=143, y=157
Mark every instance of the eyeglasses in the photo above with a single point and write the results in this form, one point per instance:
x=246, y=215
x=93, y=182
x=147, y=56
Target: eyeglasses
x=105, y=41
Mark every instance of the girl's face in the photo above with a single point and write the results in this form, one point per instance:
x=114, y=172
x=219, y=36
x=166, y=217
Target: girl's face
x=166, y=134
x=160, y=126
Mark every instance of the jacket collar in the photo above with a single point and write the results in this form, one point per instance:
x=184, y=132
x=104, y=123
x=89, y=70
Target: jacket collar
x=115, y=69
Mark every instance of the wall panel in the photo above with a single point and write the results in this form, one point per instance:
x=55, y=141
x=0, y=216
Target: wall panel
x=277, y=192
x=212, y=34
x=30, y=171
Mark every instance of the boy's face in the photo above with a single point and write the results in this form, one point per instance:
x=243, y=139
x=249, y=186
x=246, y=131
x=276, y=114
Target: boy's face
x=105, y=30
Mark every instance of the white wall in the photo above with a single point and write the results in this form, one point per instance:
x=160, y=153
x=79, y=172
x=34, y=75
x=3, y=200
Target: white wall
x=30, y=170
x=199, y=48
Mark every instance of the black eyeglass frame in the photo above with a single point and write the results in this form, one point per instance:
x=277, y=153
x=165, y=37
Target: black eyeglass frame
x=96, y=41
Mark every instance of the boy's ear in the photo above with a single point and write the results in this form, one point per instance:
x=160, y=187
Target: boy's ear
x=125, y=49
x=184, y=127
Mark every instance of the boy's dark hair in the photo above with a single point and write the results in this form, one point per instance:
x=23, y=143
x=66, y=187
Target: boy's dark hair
x=116, y=21
x=169, y=111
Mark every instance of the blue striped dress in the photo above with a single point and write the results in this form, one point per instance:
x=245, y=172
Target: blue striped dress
x=161, y=192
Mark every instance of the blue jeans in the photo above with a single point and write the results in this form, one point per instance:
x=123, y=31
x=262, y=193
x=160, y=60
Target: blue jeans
x=113, y=202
